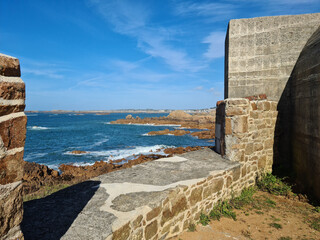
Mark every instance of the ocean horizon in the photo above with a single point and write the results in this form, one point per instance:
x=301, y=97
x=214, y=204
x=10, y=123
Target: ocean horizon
x=52, y=137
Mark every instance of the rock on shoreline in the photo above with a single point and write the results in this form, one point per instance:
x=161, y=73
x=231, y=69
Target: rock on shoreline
x=179, y=117
x=37, y=176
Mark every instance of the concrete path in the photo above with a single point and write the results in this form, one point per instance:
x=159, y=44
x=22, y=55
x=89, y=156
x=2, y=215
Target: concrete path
x=91, y=210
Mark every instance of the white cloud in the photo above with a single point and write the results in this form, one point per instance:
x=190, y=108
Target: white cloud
x=133, y=20
x=216, y=45
x=211, y=10
x=199, y=88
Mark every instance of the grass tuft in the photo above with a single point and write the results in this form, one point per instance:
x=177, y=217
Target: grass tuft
x=276, y=225
x=274, y=185
x=204, y=219
x=192, y=227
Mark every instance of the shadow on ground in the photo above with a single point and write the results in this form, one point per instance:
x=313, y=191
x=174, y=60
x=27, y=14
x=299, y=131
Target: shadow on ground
x=51, y=217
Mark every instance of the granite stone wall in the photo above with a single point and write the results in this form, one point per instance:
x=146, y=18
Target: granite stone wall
x=246, y=131
x=184, y=205
x=12, y=138
x=261, y=53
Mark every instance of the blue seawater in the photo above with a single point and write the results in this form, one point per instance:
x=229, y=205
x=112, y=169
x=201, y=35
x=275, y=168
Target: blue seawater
x=51, y=138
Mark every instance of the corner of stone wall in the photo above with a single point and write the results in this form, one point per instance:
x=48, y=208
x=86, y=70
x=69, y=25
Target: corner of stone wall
x=12, y=138
x=247, y=131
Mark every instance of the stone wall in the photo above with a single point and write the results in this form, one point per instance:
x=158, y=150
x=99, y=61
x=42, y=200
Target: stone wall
x=12, y=137
x=261, y=53
x=246, y=131
x=184, y=205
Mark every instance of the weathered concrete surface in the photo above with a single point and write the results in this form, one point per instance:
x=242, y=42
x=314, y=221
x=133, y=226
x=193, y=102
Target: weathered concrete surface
x=95, y=209
x=261, y=53
x=299, y=118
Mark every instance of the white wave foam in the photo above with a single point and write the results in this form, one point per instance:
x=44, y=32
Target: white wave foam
x=32, y=156
x=130, y=153
x=107, y=123
x=31, y=115
x=76, y=154
x=37, y=128
x=98, y=143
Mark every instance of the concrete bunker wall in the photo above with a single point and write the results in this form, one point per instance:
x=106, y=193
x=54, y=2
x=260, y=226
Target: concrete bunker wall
x=12, y=138
x=279, y=56
x=261, y=53
x=299, y=109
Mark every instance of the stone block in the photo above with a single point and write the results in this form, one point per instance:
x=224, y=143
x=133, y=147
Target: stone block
x=151, y=230
x=11, y=210
x=122, y=233
x=12, y=90
x=240, y=124
x=262, y=162
x=137, y=222
x=196, y=195
x=228, y=127
x=179, y=204
x=11, y=168
x=235, y=110
x=215, y=186
x=9, y=66
x=153, y=213
x=236, y=173
x=268, y=144
x=13, y=132
x=7, y=109
x=249, y=149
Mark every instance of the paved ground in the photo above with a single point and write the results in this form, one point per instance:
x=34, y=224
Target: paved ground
x=90, y=209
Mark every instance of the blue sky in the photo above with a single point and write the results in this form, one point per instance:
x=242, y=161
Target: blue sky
x=107, y=54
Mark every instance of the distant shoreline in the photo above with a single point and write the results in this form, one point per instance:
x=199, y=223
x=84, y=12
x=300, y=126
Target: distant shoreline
x=102, y=112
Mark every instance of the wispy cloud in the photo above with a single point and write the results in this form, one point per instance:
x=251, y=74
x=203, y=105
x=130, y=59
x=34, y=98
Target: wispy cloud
x=44, y=69
x=198, y=88
x=211, y=10
x=216, y=45
x=134, y=20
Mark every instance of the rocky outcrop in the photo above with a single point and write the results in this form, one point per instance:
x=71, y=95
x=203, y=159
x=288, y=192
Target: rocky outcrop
x=168, y=132
x=78, y=152
x=179, y=117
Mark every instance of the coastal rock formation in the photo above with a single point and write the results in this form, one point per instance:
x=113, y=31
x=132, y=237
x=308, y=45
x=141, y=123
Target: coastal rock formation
x=185, y=120
x=204, y=134
x=78, y=152
x=168, y=132
x=36, y=175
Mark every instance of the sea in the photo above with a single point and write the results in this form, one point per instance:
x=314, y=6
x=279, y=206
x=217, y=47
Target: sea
x=51, y=138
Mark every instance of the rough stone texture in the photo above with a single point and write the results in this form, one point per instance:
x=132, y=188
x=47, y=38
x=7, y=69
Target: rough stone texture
x=176, y=192
x=261, y=53
x=298, y=124
x=13, y=132
x=11, y=211
x=12, y=137
x=249, y=138
x=9, y=66
x=11, y=168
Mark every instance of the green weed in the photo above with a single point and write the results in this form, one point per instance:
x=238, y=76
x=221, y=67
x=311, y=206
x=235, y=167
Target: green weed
x=274, y=185
x=192, y=227
x=315, y=224
x=204, y=219
x=276, y=225
x=285, y=238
